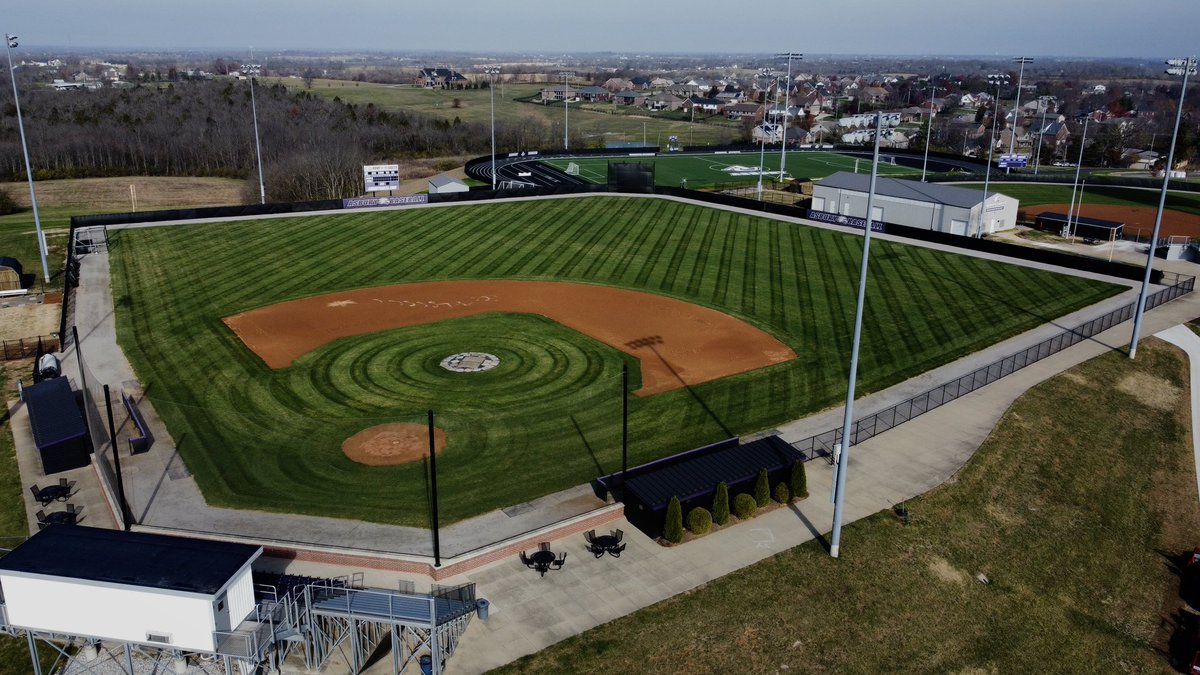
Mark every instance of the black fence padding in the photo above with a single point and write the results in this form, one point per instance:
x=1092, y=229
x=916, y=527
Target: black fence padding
x=237, y=211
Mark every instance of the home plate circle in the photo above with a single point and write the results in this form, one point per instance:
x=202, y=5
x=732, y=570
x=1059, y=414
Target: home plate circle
x=470, y=362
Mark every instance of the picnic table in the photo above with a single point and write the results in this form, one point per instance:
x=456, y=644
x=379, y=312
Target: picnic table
x=543, y=560
x=58, y=492
x=605, y=543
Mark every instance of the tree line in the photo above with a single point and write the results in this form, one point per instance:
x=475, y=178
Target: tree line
x=312, y=147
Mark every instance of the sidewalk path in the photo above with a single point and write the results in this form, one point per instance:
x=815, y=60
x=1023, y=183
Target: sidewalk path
x=1186, y=339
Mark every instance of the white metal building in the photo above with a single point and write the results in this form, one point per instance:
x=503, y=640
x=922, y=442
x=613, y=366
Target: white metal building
x=928, y=206
x=150, y=589
x=443, y=184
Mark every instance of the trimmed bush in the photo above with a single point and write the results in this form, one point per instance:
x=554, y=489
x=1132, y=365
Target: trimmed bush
x=782, y=494
x=673, y=529
x=744, y=506
x=7, y=204
x=720, y=512
x=699, y=521
x=799, y=481
x=762, y=489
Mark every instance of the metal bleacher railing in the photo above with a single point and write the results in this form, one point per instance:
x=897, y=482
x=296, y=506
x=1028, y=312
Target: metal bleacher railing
x=822, y=445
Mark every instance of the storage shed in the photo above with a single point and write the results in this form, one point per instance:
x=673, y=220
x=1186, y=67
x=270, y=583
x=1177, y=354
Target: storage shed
x=170, y=592
x=927, y=206
x=10, y=274
x=1088, y=228
x=58, y=428
x=443, y=184
x=693, y=476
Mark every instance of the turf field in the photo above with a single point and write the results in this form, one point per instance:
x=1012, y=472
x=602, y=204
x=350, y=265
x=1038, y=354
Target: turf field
x=257, y=438
x=714, y=169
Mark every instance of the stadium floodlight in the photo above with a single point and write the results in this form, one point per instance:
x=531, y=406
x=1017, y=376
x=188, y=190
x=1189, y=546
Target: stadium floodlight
x=252, y=70
x=929, y=128
x=11, y=41
x=1072, y=213
x=787, y=104
x=566, y=76
x=1182, y=67
x=762, y=138
x=998, y=80
x=492, y=72
x=843, y=459
x=1012, y=143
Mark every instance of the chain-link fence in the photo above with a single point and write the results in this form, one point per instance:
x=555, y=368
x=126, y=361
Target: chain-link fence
x=868, y=427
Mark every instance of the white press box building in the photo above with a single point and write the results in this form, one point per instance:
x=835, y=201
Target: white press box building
x=140, y=588
x=928, y=206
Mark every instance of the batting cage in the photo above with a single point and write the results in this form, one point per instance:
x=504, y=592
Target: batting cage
x=631, y=175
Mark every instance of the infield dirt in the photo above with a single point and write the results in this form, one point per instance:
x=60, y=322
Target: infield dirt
x=678, y=343
x=1137, y=219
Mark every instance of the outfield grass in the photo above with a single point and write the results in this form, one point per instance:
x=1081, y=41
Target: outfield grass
x=475, y=105
x=1076, y=508
x=1034, y=194
x=702, y=171
x=257, y=438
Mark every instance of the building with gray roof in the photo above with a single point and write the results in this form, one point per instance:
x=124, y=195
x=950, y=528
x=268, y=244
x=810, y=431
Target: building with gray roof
x=928, y=206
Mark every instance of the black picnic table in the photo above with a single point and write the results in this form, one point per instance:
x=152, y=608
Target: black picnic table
x=605, y=543
x=59, y=518
x=542, y=560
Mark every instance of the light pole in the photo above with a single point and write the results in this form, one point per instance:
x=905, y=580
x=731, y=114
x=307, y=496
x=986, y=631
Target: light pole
x=787, y=103
x=929, y=128
x=987, y=176
x=566, y=76
x=1037, y=160
x=492, y=72
x=762, y=145
x=843, y=459
x=252, y=70
x=1012, y=143
x=1075, y=184
x=1183, y=67
x=11, y=42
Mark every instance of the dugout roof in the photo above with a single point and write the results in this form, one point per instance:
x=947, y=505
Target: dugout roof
x=907, y=189
x=53, y=415
x=1095, y=222
x=130, y=558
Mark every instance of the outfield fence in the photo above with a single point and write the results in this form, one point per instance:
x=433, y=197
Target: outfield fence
x=821, y=445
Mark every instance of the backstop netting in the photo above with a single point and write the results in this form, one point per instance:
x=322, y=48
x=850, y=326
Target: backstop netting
x=631, y=175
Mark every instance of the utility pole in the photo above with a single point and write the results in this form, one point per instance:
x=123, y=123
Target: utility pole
x=11, y=42
x=566, y=76
x=786, y=107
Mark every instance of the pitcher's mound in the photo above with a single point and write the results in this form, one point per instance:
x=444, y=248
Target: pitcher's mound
x=390, y=444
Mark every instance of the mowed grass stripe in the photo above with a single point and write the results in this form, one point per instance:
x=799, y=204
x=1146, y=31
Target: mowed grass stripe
x=264, y=439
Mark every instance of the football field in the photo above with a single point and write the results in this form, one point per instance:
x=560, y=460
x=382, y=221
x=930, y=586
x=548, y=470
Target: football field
x=742, y=168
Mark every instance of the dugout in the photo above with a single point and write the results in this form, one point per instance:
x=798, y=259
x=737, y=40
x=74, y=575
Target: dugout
x=1088, y=228
x=10, y=274
x=693, y=476
x=58, y=429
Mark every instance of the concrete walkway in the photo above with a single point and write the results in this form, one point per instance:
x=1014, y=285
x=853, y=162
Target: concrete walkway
x=1186, y=339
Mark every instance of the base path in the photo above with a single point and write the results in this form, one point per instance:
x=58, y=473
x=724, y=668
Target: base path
x=678, y=343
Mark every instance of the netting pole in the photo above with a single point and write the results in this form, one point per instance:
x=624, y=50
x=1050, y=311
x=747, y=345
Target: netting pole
x=112, y=434
x=624, y=425
x=437, y=547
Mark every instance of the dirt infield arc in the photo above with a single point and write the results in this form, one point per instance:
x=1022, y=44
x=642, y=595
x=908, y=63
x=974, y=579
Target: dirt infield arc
x=678, y=343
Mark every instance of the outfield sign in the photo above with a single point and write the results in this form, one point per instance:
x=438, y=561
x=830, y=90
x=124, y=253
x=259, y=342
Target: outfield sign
x=364, y=202
x=381, y=177
x=844, y=221
x=1014, y=161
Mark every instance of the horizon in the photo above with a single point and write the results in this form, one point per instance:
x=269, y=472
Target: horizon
x=1063, y=30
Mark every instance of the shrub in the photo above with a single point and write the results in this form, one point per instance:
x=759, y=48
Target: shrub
x=799, y=481
x=7, y=204
x=720, y=512
x=762, y=489
x=782, y=494
x=744, y=506
x=699, y=521
x=673, y=529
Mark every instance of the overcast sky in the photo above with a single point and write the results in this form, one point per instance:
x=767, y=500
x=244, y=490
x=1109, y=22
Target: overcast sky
x=1118, y=28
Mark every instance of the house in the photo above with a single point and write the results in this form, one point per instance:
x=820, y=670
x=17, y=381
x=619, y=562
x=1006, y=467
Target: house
x=968, y=100
x=664, y=101
x=1053, y=132
x=594, y=94
x=639, y=82
x=1024, y=140
x=558, y=93
x=661, y=83
x=767, y=133
x=873, y=95
x=1096, y=89
x=615, y=84
x=927, y=206
x=1141, y=159
x=739, y=111
x=708, y=106
x=441, y=78
x=629, y=98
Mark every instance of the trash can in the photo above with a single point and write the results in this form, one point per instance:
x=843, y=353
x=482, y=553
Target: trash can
x=481, y=608
x=426, y=663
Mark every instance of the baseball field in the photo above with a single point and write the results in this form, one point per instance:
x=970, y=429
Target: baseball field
x=270, y=436
x=739, y=167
